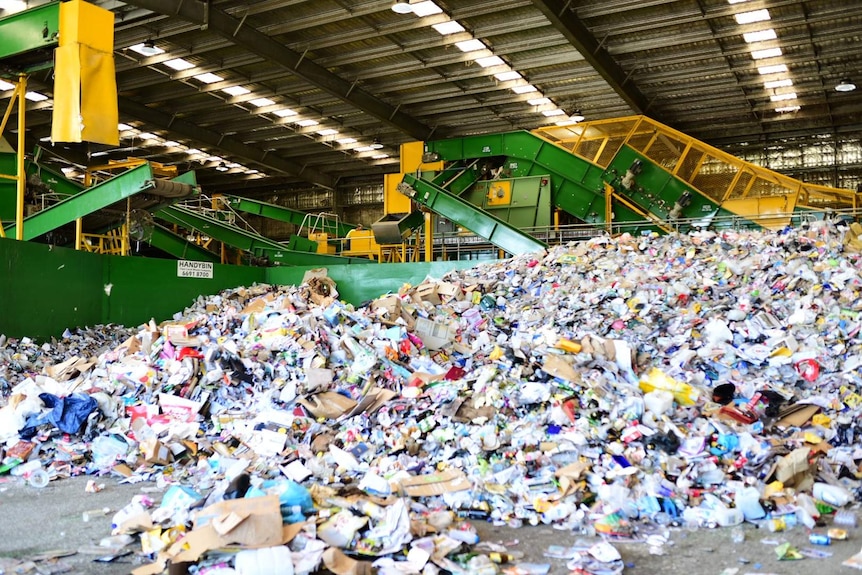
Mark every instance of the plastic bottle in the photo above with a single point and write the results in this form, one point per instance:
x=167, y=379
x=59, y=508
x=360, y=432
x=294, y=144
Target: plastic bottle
x=748, y=501
x=845, y=518
x=834, y=495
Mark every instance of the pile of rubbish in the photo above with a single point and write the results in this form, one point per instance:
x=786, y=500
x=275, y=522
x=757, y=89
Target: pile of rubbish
x=700, y=380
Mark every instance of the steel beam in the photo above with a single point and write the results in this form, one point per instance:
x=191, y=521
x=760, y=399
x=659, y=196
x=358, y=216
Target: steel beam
x=30, y=37
x=265, y=46
x=125, y=185
x=248, y=241
x=212, y=138
x=287, y=215
x=567, y=22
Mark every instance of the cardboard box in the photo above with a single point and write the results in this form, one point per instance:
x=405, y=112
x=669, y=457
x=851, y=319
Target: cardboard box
x=155, y=452
x=427, y=292
x=432, y=484
x=449, y=292
x=390, y=305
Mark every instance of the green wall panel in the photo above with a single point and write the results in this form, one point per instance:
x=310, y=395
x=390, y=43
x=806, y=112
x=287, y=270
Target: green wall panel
x=45, y=290
x=363, y=282
x=144, y=288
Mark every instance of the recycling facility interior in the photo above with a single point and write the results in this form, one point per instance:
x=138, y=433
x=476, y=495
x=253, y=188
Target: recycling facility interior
x=420, y=165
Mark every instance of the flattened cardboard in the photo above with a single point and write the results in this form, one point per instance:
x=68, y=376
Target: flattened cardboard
x=559, y=367
x=340, y=564
x=796, y=415
x=261, y=526
x=448, y=481
x=329, y=404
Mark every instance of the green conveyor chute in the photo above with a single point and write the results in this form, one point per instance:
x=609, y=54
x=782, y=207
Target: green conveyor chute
x=91, y=200
x=476, y=220
x=248, y=241
x=179, y=247
x=287, y=215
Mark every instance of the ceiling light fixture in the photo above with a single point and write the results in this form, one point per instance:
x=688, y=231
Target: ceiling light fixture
x=147, y=48
x=221, y=167
x=208, y=78
x=751, y=17
x=507, y=76
x=178, y=64
x=470, y=45
x=787, y=109
x=376, y=144
x=446, y=28
x=845, y=85
x=426, y=8
x=402, y=7
x=759, y=36
x=577, y=116
x=4, y=85
x=771, y=85
x=767, y=70
x=490, y=61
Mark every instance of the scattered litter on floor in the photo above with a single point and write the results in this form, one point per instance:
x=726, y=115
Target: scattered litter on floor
x=617, y=387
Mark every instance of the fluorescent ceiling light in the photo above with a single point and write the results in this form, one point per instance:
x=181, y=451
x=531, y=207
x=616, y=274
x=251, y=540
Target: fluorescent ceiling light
x=470, y=45
x=306, y=123
x=148, y=136
x=346, y=141
x=768, y=53
x=261, y=102
x=772, y=84
x=426, y=8
x=525, y=89
x=193, y=152
x=783, y=97
x=35, y=97
x=777, y=69
x=208, y=78
x=236, y=90
x=539, y=101
x=566, y=122
x=450, y=27
x=760, y=36
x=215, y=159
x=284, y=113
x=171, y=144
x=252, y=172
x=364, y=149
x=327, y=132
x=234, y=165
x=94, y=154
x=490, y=61
x=123, y=127
x=146, y=49
x=753, y=16
x=507, y=76
x=4, y=85
x=787, y=109
x=179, y=64
x=577, y=116
x=380, y=156
x=554, y=112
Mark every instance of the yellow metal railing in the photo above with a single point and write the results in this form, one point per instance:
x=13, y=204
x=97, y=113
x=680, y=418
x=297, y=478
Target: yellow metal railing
x=738, y=186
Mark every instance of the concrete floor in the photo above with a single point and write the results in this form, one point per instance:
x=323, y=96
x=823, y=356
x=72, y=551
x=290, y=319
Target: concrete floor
x=40, y=521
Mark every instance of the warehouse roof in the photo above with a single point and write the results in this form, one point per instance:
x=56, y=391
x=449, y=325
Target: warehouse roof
x=267, y=93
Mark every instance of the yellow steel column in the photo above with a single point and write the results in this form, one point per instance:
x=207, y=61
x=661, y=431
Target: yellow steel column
x=429, y=236
x=79, y=234
x=22, y=181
